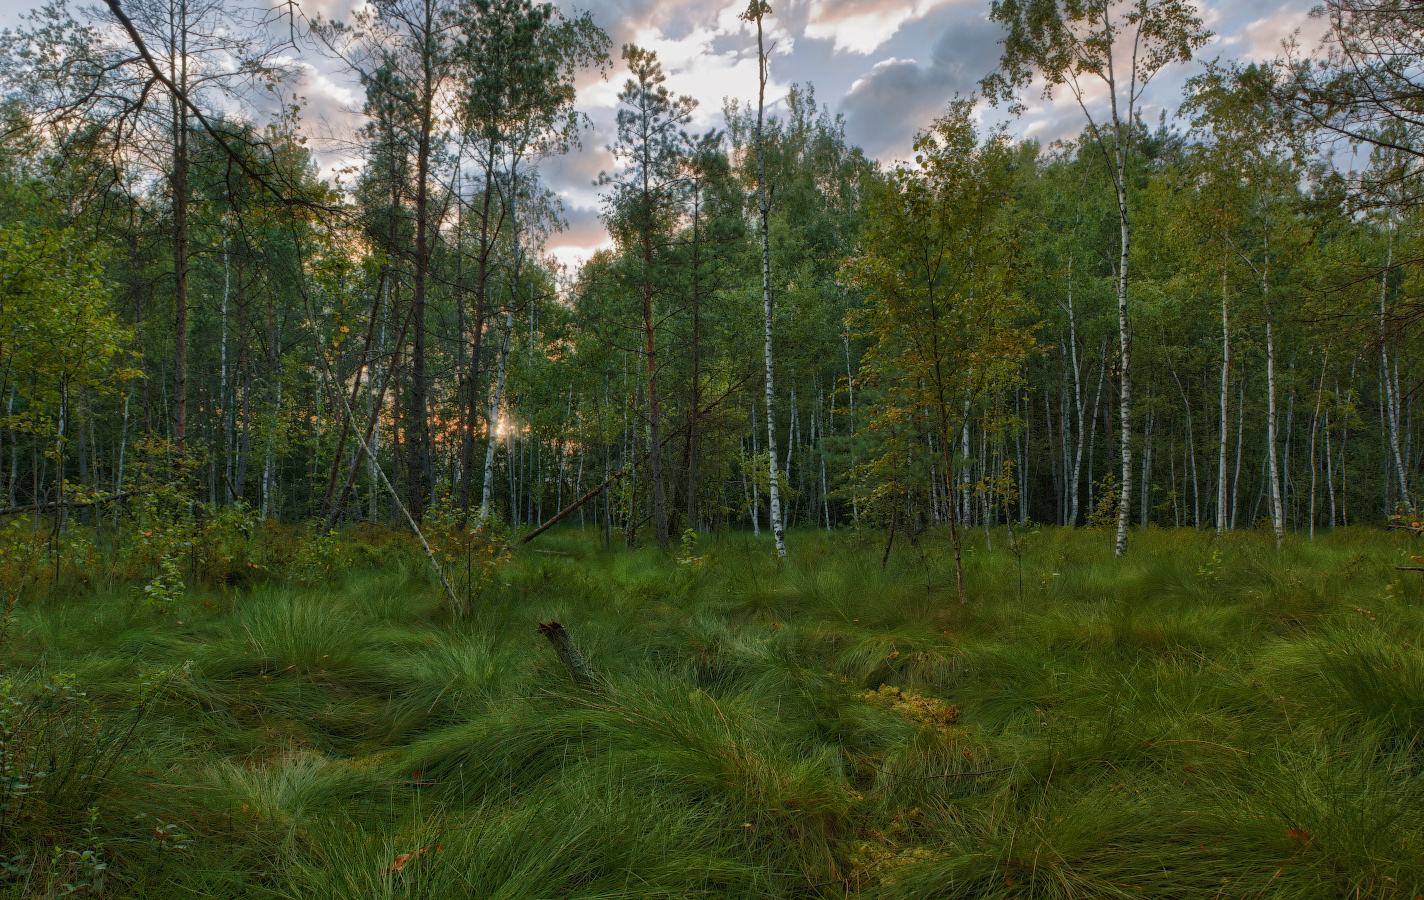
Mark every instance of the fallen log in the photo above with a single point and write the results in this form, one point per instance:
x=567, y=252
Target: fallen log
x=617, y=475
x=570, y=508
x=66, y=504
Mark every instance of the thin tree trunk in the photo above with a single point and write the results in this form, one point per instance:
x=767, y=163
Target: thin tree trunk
x=764, y=208
x=1124, y=336
x=269, y=474
x=1288, y=490
x=1093, y=432
x=418, y=468
x=1147, y=462
x=224, y=393
x=821, y=445
x=692, y=512
x=1330, y=471
x=119, y=471
x=496, y=398
x=1390, y=399
x=244, y=375
x=15, y=445
x=1272, y=469
x=1240, y=440
x=1191, y=449
x=1221, y=518
x=850, y=389
x=1053, y=454
x=362, y=376
x=487, y=235
x=1314, y=421
x=179, y=182
x=954, y=540
x=376, y=396
x=660, y=524
x=1076, y=479
x=756, y=498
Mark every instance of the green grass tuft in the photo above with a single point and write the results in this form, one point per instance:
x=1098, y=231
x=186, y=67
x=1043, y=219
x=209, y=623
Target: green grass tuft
x=1209, y=718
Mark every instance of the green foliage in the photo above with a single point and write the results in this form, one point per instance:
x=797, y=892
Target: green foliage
x=942, y=317
x=57, y=332
x=1103, y=515
x=1065, y=41
x=21, y=553
x=58, y=751
x=472, y=555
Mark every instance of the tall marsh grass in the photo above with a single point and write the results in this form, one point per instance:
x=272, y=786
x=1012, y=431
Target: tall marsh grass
x=1209, y=718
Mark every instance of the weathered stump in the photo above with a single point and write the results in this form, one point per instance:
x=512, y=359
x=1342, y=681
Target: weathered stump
x=569, y=654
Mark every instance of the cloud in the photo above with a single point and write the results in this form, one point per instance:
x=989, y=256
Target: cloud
x=1255, y=31
x=885, y=107
x=890, y=66
x=862, y=26
x=572, y=175
x=584, y=236
x=584, y=227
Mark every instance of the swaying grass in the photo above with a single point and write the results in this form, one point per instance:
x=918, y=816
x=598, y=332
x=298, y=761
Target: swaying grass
x=1209, y=718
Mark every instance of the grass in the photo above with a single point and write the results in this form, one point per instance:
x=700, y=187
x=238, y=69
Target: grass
x=1209, y=718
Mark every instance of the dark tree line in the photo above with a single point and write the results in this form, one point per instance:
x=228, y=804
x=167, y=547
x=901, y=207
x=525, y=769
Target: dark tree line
x=180, y=292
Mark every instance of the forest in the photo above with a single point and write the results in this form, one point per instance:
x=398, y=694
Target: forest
x=902, y=515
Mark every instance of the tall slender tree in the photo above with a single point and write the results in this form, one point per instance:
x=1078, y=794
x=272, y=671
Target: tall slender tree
x=518, y=65
x=756, y=11
x=1121, y=45
x=645, y=203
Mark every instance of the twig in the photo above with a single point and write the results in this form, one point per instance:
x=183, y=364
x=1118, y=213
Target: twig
x=946, y=775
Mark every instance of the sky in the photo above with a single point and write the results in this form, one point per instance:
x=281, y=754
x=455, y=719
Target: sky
x=888, y=66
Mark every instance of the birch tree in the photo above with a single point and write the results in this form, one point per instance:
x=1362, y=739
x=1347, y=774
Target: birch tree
x=1120, y=45
x=755, y=12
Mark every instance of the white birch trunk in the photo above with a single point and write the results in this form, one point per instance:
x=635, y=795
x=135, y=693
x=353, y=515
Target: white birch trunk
x=1278, y=524
x=1225, y=405
x=773, y=488
x=1314, y=422
x=1078, y=402
x=1391, y=400
x=492, y=417
x=1124, y=338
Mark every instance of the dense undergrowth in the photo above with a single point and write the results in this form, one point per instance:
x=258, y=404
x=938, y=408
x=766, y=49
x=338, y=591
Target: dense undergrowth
x=1209, y=718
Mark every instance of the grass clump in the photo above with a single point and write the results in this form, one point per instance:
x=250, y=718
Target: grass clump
x=1210, y=718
